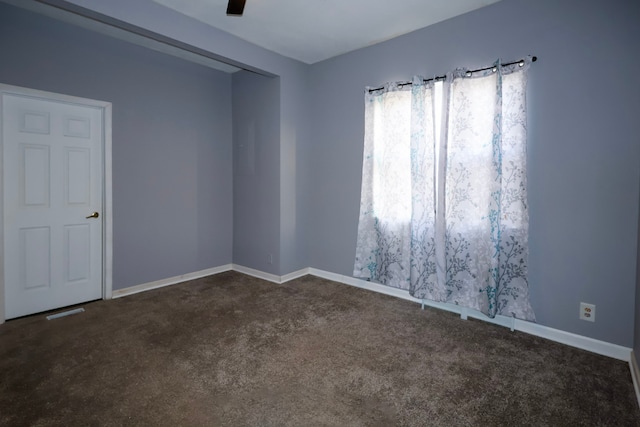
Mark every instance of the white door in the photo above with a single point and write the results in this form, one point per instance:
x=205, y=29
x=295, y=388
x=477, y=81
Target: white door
x=52, y=184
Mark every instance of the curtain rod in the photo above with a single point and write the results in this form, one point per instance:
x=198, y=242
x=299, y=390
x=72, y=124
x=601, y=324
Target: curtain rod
x=521, y=62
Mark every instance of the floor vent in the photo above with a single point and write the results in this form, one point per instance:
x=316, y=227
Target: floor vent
x=65, y=313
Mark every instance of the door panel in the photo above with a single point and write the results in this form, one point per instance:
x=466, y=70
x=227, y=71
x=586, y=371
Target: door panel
x=78, y=179
x=52, y=180
x=77, y=246
x=34, y=175
x=34, y=249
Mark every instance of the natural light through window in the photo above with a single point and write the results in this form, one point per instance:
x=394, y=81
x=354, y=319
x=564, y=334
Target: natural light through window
x=392, y=153
x=443, y=208
x=392, y=159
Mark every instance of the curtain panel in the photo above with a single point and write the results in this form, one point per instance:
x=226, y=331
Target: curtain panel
x=443, y=210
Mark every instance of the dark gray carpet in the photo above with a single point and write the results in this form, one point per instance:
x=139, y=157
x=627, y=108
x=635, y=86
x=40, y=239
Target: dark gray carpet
x=231, y=350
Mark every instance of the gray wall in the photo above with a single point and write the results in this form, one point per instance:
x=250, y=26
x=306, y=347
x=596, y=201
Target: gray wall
x=172, y=147
x=293, y=184
x=583, y=148
x=271, y=195
x=295, y=193
x=256, y=172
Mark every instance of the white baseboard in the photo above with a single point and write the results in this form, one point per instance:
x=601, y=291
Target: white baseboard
x=256, y=273
x=295, y=275
x=170, y=281
x=579, y=341
x=268, y=276
x=209, y=272
x=363, y=284
x=635, y=374
x=585, y=343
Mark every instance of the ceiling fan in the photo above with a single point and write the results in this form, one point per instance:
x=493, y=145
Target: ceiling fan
x=235, y=7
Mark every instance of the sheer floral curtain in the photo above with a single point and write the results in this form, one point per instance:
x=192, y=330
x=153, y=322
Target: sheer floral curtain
x=398, y=183
x=443, y=207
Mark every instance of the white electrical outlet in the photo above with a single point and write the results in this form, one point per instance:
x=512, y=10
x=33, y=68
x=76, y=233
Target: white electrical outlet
x=587, y=312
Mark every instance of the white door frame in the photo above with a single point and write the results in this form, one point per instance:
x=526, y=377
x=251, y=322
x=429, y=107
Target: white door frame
x=107, y=223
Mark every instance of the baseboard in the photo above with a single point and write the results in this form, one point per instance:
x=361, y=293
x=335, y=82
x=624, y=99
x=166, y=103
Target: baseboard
x=585, y=343
x=579, y=341
x=170, y=281
x=295, y=275
x=363, y=284
x=208, y=272
x=256, y=273
x=635, y=374
x=268, y=276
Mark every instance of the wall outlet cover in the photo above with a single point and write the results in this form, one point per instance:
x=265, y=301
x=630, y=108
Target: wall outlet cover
x=587, y=312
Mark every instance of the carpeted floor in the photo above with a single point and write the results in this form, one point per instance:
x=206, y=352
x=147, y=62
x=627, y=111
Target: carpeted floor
x=232, y=350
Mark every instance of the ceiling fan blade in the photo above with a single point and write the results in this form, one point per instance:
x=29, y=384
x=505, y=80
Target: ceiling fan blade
x=235, y=7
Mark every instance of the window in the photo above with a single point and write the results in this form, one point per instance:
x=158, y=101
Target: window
x=443, y=205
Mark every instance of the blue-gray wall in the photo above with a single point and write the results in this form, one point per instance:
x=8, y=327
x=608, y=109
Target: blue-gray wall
x=584, y=151
x=256, y=171
x=293, y=185
x=295, y=190
x=172, y=140
x=270, y=181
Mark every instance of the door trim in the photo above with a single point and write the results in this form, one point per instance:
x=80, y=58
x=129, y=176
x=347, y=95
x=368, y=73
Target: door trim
x=107, y=223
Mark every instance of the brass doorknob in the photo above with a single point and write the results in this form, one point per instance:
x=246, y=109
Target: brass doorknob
x=94, y=215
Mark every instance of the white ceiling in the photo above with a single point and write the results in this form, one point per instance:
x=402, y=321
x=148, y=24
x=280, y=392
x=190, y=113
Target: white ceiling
x=307, y=30
x=314, y=30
